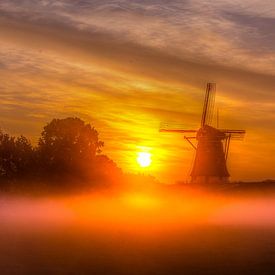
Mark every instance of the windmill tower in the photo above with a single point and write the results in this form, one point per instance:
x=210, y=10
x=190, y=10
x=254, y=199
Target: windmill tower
x=212, y=144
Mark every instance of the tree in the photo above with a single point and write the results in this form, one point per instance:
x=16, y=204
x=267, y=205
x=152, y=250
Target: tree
x=68, y=146
x=106, y=169
x=68, y=152
x=25, y=158
x=16, y=156
x=7, y=155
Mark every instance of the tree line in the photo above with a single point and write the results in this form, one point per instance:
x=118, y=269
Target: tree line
x=68, y=150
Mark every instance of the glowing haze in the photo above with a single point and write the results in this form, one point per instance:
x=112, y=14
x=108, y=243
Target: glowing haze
x=125, y=66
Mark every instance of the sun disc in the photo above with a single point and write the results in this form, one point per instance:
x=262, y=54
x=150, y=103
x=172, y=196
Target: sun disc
x=144, y=159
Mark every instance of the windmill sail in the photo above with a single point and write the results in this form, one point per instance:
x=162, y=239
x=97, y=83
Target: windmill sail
x=209, y=102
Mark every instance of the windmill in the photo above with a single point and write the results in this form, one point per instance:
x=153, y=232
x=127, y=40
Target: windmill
x=212, y=144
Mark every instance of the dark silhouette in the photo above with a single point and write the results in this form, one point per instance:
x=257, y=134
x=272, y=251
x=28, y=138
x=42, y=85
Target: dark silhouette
x=67, y=146
x=212, y=145
x=16, y=157
x=68, y=152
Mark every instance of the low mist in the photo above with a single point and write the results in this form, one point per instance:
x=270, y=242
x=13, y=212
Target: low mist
x=157, y=209
x=162, y=230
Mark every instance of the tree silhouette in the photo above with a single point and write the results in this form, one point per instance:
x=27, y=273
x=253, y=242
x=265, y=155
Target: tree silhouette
x=67, y=154
x=67, y=146
x=25, y=158
x=106, y=169
x=16, y=156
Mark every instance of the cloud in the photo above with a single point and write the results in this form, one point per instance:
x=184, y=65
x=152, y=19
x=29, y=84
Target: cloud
x=107, y=50
x=194, y=30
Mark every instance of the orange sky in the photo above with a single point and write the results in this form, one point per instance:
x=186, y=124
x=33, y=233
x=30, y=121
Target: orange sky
x=126, y=67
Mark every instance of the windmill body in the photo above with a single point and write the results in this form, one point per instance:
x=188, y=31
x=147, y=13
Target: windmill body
x=210, y=159
x=212, y=145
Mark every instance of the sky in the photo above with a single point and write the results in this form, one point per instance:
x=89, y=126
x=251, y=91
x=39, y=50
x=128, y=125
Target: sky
x=128, y=66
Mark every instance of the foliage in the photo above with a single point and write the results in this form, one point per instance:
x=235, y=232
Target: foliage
x=69, y=150
x=16, y=156
x=67, y=146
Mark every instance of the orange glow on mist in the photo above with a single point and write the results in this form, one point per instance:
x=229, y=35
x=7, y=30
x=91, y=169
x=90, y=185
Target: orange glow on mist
x=140, y=200
x=137, y=212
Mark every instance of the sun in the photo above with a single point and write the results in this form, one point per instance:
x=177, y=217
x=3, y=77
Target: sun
x=144, y=159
